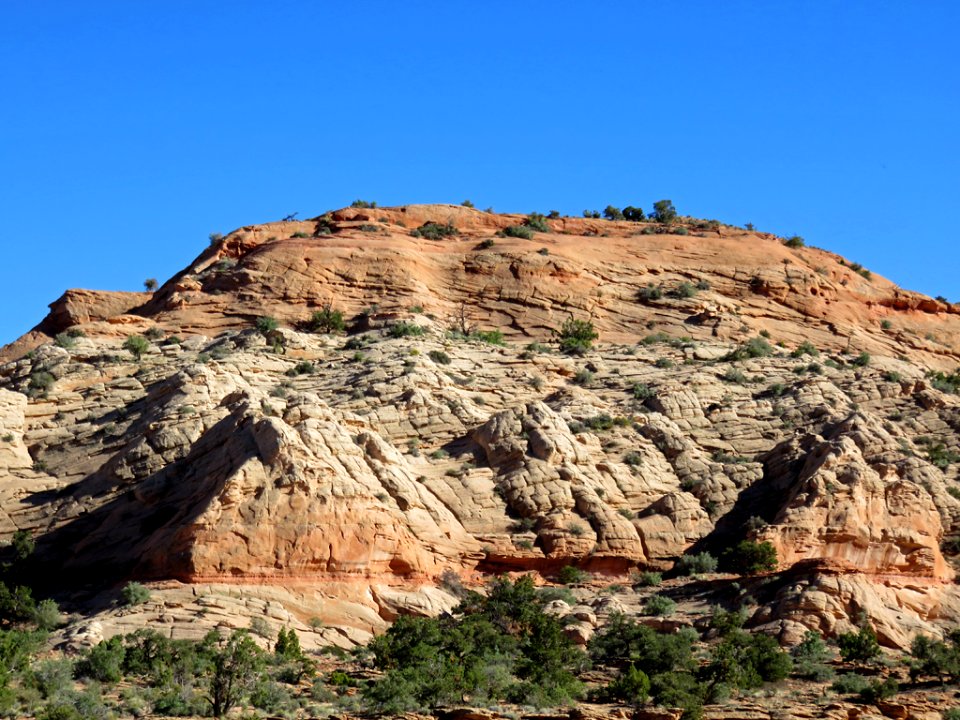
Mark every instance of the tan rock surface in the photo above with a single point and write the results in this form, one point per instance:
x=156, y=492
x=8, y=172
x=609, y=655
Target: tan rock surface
x=340, y=477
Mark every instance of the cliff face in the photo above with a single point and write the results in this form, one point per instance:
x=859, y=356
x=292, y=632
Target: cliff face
x=341, y=476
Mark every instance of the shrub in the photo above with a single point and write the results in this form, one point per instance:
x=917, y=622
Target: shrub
x=612, y=213
x=502, y=646
x=136, y=345
x=623, y=642
x=485, y=244
x=642, y=391
x=697, y=564
x=659, y=605
x=215, y=238
x=861, y=646
x=404, y=329
x=753, y=348
x=648, y=578
x=133, y=593
x=327, y=320
x=631, y=686
x=734, y=375
x=749, y=557
x=234, y=664
x=304, y=367
x=664, y=212
x=583, y=377
x=363, y=204
x=439, y=357
x=810, y=658
x=576, y=336
x=594, y=214
x=40, y=382
x=518, y=231
x=633, y=214
x=649, y=293
x=467, y=204
x=879, y=690
x=745, y=660
x=805, y=348
x=154, y=333
x=933, y=658
x=104, y=661
x=150, y=284
x=434, y=231
x=538, y=222
x=64, y=340
x=850, y=684
x=266, y=324
x=862, y=360
x=684, y=290
x=680, y=690
x=570, y=575
x=794, y=241
x=47, y=616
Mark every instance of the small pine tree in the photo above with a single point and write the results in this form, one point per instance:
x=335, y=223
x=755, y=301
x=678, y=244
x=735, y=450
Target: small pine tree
x=861, y=646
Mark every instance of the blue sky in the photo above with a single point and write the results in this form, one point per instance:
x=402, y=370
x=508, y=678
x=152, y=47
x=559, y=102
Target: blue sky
x=129, y=131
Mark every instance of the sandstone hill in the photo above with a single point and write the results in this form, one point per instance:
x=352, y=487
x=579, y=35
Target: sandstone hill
x=739, y=388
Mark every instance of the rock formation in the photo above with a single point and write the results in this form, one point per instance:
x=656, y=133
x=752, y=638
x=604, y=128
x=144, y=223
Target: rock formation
x=340, y=476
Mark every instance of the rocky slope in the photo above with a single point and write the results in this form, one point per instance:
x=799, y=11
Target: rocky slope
x=299, y=475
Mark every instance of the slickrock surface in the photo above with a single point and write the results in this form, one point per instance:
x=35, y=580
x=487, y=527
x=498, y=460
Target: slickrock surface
x=300, y=476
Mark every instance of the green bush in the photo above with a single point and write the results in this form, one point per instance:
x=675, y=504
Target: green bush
x=664, y=212
x=266, y=324
x=633, y=214
x=684, y=290
x=753, y=348
x=805, y=348
x=518, y=231
x=749, y=557
x=659, y=605
x=934, y=658
x=538, y=222
x=327, y=320
x=613, y=213
x=861, y=646
x=642, y=391
x=64, y=340
x=136, y=345
x=363, y=204
x=747, y=660
x=103, y=662
x=439, y=357
x=404, y=329
x=794, y=241
x=576, y=336
x=235, y=663
x=570, y=575
x=47, y=616
x=623, y=642
x=133, y=593
x=862, y=360
x=648, y=579
x=810, y=658
x=649, y=293
x=697, y=564
x=40, y=383
x=631, y=686
x=434, y=231
x=499, y=647
x=52, y=676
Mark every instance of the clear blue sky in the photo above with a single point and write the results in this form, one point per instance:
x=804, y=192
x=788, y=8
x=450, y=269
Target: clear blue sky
x=129, y=131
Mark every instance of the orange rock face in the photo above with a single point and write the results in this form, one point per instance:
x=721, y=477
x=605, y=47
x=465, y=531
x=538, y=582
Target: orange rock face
x=292, y=459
